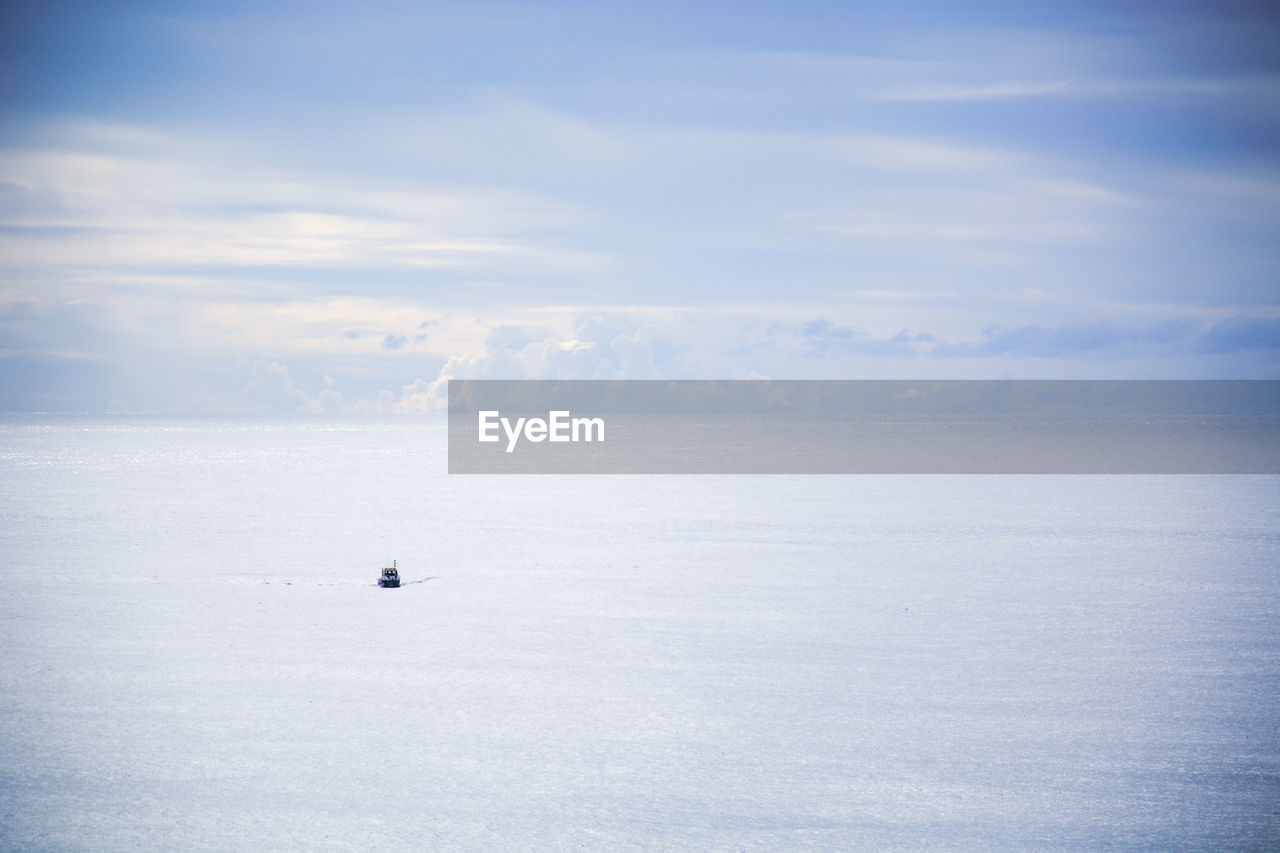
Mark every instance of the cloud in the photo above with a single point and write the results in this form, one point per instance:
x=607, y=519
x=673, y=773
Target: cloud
x=1009, y=215
x=512, y=336
x=944, y=92
x=1242, y=333
x=980, y=191
x=824, y=339
x=55, y=383
x=599, y=345
x=270, y=390
x=1173, y=339
x=1052, y=341
x=643, y=343
x=110, y=197
x=340, y=328
x=638, y=344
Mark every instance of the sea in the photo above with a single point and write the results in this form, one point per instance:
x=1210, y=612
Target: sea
x=194, y=653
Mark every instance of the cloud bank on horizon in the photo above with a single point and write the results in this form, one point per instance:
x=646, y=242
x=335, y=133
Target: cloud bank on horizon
x=234, y=207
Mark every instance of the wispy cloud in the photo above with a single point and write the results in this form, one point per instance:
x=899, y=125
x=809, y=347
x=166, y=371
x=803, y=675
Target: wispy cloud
x=165, y=204
x=1009, y=90
x=248, y=207
x=1243, y=333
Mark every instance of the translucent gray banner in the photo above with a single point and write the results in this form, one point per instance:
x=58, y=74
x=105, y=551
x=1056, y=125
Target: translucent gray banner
x=864, y=427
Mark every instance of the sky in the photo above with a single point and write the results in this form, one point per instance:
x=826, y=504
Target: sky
x=238, y=208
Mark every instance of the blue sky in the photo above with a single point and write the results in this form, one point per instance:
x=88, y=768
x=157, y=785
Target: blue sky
x=333, y=207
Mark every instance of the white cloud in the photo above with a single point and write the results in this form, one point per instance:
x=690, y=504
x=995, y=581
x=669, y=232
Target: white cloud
x=112, y=198
x=331, y=327
x=270, y=390
x=1006, y=90
x=514, y=230
x=621, y=345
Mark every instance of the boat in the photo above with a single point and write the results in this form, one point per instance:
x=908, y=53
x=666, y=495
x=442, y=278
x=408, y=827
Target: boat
x=390, y=577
